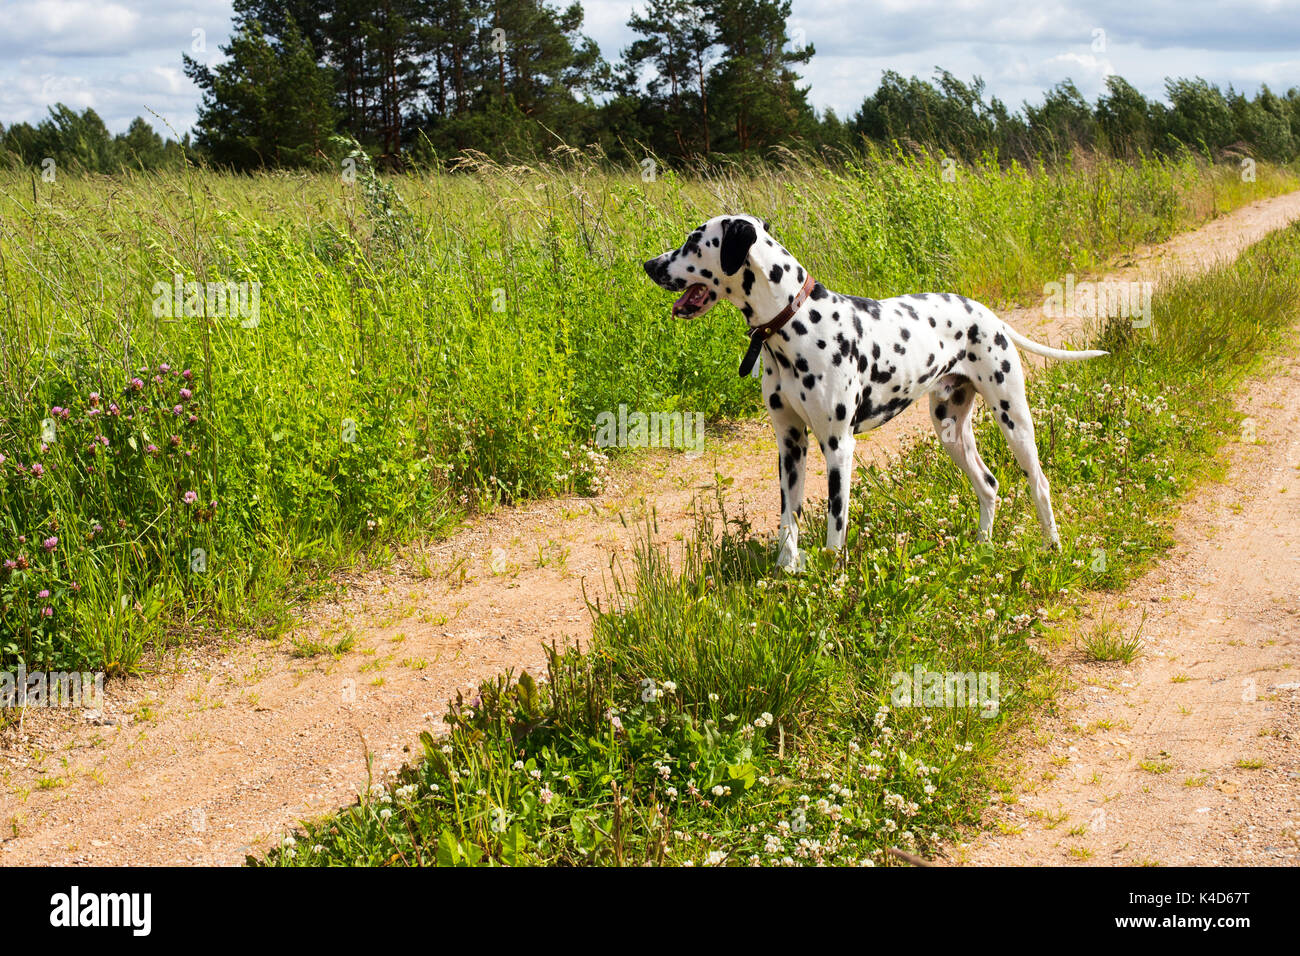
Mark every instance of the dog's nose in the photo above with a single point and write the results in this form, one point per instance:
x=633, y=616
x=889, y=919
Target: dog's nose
x=650, y=265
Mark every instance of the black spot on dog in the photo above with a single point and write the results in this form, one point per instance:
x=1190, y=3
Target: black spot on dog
x=941, y=411
x=905, y=334
x=747, y=281
x=801, y=364
x=840, y=412
x=973, y=333
x=1000, y=341
x=875, y=350
x=1006, y=365
x=799, y=327
x=1005, y=405
x=775, y=401
x=775, y=274
x=818, y=292
x=959, y=397
x=1006, y=420
x=833, y=442
x=809, y=381
x=870, y=306
x=990, y=481
x=815, y=316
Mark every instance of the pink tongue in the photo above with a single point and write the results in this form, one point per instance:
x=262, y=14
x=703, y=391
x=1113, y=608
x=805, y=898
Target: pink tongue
x=684, y=301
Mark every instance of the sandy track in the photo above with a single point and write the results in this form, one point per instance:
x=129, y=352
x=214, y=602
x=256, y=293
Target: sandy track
x=1188, y=755
x=200, y=761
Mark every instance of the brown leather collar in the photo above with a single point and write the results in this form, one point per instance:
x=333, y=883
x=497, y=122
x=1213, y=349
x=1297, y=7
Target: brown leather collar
x=760, y=334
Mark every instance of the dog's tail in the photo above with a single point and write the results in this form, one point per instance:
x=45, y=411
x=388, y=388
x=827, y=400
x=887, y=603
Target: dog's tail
x=1029, y=345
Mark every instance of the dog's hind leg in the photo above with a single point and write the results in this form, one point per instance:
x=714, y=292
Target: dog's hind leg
x=951, y=410
x=1019, y=429
x=792, y=461
x=1006, y=399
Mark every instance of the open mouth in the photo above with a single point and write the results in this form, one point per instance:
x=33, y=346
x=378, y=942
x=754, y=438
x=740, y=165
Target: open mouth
x=692, y=300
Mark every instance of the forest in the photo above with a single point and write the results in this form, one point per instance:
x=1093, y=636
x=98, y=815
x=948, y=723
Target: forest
x=704, y=82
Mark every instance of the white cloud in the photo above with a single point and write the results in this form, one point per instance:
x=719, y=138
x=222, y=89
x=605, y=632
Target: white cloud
x=68, y=27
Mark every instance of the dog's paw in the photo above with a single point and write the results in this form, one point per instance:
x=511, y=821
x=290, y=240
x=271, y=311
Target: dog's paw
x=792, y=561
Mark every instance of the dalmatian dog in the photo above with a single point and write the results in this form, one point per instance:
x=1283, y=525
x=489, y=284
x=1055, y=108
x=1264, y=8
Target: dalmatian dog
x=840, y=365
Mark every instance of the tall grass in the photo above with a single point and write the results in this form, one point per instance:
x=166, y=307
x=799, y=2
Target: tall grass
x=423, y=346
x=728, y=713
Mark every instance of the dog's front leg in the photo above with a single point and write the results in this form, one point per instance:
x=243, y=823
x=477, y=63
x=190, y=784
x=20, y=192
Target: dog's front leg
x=838, y=449
x=792, y=459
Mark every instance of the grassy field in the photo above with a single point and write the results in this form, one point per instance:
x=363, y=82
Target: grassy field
x=412, y=349
x=729, y=714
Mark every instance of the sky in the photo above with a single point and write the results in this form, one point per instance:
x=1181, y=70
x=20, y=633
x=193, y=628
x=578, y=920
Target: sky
x=123, y=57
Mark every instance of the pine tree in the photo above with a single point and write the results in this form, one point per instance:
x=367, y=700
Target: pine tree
x=267, y=105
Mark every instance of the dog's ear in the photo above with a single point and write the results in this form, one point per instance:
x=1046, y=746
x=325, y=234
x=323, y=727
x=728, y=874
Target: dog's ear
x=737, y=236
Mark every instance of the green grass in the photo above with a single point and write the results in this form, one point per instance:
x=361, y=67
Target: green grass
x=418, y=356
x=1107, y=643
x=727, y=713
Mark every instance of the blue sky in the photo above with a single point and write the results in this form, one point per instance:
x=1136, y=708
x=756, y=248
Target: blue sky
x=123, y=57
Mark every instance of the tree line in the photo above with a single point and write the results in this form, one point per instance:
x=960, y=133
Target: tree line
x=416, y=81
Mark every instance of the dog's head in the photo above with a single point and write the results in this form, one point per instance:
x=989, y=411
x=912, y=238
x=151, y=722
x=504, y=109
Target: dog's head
x=704, y=269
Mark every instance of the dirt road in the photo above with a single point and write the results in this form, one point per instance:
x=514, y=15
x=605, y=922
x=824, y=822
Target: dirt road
x=1187, y=756
x=223, y=748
